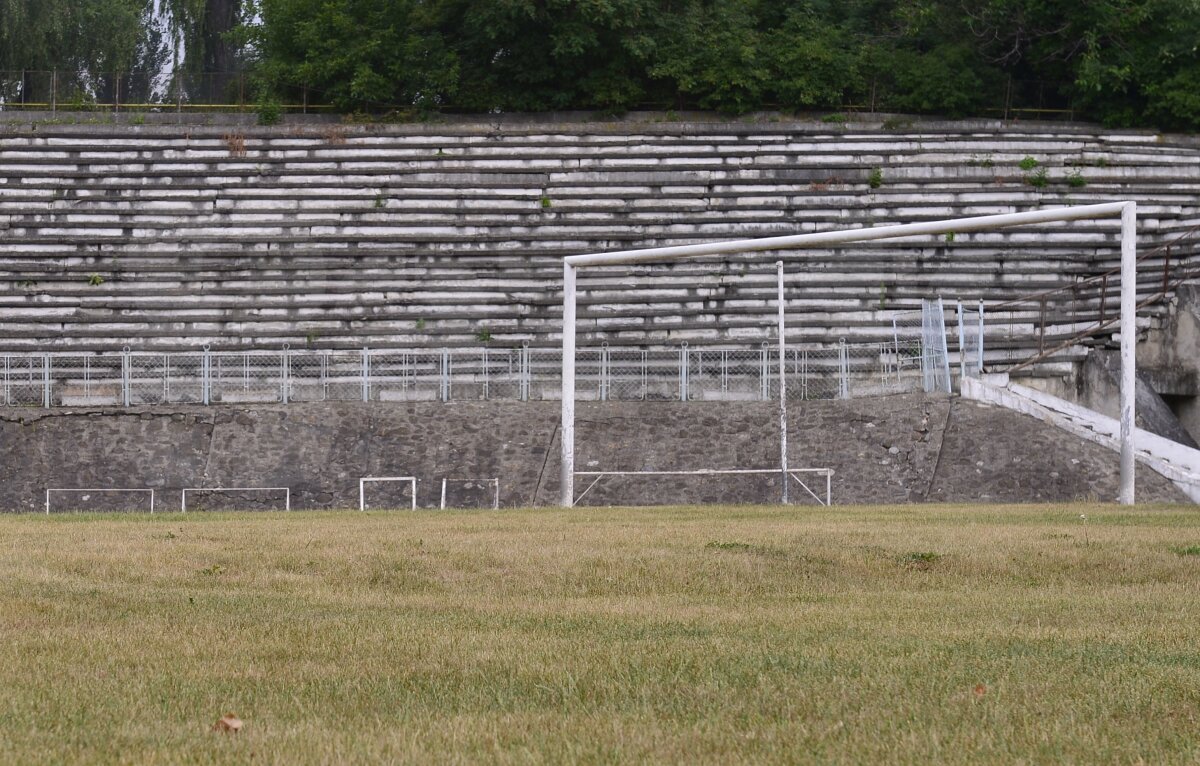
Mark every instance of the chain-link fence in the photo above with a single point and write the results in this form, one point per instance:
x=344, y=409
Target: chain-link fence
x=919, y=348
x=970, y=340
x=681, y=373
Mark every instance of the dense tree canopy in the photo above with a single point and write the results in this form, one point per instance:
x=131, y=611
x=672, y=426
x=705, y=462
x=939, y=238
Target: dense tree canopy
x=1124, y=62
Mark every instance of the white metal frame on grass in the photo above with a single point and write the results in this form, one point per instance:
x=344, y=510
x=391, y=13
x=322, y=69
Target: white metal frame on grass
x=95, y=489
x=362, y=497
x=1125, y=210
x=495, y=482
x=287, y=497
x=827, y=472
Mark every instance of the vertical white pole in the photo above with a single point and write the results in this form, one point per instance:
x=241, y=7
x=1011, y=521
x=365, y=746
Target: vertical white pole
x=783, y=456
x=567, y=465
x=362, y=503
x=1128, y=345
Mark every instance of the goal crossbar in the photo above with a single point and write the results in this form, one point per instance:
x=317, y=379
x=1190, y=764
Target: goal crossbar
x=826, y=472
x=1125, y=210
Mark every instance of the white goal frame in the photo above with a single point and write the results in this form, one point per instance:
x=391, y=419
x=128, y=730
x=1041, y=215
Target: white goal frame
x=495, y=482
x=1125, y=210
x=826, y=472
x=98, y=489
x=362, y=496
x=287, y=496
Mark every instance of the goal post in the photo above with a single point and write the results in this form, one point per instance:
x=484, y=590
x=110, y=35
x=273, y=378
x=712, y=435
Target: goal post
x=1125, y=210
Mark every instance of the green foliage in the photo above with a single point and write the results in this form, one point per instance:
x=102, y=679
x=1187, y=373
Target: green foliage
x=1123, y=62
x=545, y=202
x=1027, y=164
x=1187, y=550
x=1076, y=180
x=484, y=335
x=95, y=280
x=875, y=178
x=1037, y=179
x=270, y=111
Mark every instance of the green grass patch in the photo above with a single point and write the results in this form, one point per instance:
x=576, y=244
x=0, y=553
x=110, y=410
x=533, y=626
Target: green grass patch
x=698, y=635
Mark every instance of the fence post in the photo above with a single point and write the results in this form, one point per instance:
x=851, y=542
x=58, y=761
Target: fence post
x=125, y=375
x=206, y=376
x=366, y=375
x=602, y=393
x=962, y=345
x=844, y=370
x=523, y=373
x=764, y=376
x=683, y=372
x=46, y=380
x=979, y=369
x=445, y=382
x=285, y=364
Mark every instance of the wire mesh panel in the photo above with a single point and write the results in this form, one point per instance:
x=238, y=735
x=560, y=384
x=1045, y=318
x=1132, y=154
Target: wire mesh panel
x=544, y=374
x=970, y=341
x=401, y=376
x=87, y=380
x=185, y=378
x=812, y=373
x=642, y=375
x=919, y=343
x=737, y=374
x=24, y=380
x=321, y=376
x=488, y=373
x=243, y=378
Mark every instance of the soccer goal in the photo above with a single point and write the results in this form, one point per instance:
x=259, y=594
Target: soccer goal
x=411, y=481
x=1126, y=211
x=801, y=476
x=287, y=494
x=485, y=489
x=84, y=496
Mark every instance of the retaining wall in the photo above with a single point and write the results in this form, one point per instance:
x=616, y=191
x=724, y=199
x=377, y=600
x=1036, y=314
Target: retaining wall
x=895, y=449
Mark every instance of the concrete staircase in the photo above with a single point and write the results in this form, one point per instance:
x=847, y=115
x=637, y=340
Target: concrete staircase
x=1175, y=461
x=446, y=235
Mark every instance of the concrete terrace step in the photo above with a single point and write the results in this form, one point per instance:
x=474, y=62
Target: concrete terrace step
x=357, y=234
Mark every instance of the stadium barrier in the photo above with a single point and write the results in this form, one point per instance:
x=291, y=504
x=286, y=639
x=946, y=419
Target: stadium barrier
x=747, y=373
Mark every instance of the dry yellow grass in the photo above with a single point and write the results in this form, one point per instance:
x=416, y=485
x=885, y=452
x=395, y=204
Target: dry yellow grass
x=716, y=635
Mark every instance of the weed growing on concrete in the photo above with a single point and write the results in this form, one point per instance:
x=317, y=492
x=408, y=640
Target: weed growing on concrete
x=836, y=117
x=420, y=325
x=896, y=123
x=1075, y=179
x=545, y=202
x=950, y=237
x=484, y=335
x=95, y=280
x=875, y=178
x=1037, y=179
x=379, y=201
x=1027, y=164
x=236, y=143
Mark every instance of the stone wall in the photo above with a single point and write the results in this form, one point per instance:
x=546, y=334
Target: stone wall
x=898, y=449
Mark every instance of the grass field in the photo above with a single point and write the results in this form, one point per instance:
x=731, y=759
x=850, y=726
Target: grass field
x=717, y=635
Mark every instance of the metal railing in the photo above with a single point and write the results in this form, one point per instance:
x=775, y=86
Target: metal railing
x=604, y=373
